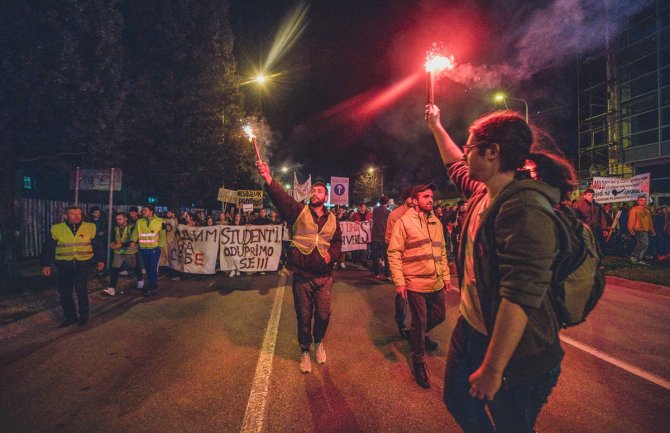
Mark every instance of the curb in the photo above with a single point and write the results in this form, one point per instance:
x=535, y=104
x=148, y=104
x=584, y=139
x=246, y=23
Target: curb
x=638, y=285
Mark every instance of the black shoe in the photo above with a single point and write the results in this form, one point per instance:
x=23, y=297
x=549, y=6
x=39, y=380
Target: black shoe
x=430, y=344
x=67, y=322
x=404, y=332
x=421, y=375
x=148, y=292
x=83, y=319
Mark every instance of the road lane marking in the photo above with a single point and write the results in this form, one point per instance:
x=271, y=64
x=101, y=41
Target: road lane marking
x=644, y=374
x=254, y=415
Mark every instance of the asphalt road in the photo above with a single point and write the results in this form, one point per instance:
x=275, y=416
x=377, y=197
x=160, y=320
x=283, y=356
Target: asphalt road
x=187, y=361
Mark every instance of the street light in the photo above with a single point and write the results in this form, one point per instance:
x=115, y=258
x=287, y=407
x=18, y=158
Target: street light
x=501, y=97
x=381, y=172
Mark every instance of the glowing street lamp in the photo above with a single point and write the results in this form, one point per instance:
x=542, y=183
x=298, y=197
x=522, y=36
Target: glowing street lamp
x=501, y=97
x=260, y=79
x=381, y=173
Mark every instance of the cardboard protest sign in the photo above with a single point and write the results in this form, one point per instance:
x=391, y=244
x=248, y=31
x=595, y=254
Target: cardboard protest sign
x=616, y=189
x=194, y=249
x=227, y=196
x=355, y=235
x=255, y=197
x=250, y=248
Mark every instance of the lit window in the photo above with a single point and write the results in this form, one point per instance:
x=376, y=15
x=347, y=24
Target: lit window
x=27, y=182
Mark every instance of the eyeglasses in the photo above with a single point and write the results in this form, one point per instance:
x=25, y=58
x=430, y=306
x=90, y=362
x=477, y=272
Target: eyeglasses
x=467, y=147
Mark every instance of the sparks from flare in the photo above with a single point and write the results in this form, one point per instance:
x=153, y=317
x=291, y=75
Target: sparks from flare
x=436, y=62
x=250, y=133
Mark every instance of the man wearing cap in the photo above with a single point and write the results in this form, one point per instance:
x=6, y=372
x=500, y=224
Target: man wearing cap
x=419, y=268
x=400, y=302
x=315, y=244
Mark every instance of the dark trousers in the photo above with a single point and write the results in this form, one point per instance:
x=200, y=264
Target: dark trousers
x=151, y=256
x=428, y=311
x=73, y=275
x=379, y=256
x=400, y=311
x=514, y=409
x=311, y=298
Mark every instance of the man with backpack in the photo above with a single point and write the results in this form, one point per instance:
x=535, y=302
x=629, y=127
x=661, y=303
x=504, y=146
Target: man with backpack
x=505, y=351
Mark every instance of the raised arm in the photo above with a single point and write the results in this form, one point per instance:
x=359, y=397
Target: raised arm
x=449, y=151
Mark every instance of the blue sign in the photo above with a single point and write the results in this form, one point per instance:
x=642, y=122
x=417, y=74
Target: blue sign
x=339, y=189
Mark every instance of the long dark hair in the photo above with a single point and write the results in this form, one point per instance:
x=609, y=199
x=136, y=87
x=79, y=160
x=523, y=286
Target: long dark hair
x=520, y=144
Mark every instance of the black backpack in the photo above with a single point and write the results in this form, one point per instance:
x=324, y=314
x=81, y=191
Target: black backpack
x=579, y=280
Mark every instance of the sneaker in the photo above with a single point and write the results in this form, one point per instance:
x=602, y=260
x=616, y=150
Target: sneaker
x=633, y=260
x=320, y=353
x=404, y=332
x=67, y=322
x=262, y=273
x=140, y=285
x=232, y=273
x=343, y=266
x=430, y=344
x=421, y=375
x=148, y=292
x=83, y=319
x=123, y=273
x=642, y=262
x=144, y=271
x=109, y=291
x=305, y=363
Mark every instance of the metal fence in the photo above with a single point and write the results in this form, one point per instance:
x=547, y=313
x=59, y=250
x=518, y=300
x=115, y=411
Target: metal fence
x=34, y=218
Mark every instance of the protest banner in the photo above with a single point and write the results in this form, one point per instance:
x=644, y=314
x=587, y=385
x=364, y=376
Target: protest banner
x=250, y=248
x=253, y=196
x=301, y=191
x=355, y=235
x=194, y=249
x=339, y=190
x=227, y=196
x=170, y=227
x=616, y=189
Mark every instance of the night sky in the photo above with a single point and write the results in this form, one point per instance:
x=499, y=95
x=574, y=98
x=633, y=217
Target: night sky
x=352, y=51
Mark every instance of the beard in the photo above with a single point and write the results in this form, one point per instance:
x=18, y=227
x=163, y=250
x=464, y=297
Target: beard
x=315, y=202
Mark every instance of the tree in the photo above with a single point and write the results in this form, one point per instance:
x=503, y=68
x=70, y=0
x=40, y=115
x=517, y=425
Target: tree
x=61, y=95
x=183, y=136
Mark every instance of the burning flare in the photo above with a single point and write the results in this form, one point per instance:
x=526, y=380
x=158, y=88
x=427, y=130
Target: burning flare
x=250, y=133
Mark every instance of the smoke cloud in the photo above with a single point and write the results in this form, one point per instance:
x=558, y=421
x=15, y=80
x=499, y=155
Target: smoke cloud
x=552, y=35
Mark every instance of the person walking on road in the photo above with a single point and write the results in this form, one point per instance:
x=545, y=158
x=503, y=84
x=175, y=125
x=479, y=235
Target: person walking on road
x=400, y=302
x=151, y=238
x=418, y=259
x=640, y=225
x=315, y=244
x=505, y=351
x=124, y=249
x=380, y=263
x=73, y=248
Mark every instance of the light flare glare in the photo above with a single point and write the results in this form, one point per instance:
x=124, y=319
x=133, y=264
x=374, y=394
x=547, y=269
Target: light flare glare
x=439, y=63
x=289, y=32
x=250, y=133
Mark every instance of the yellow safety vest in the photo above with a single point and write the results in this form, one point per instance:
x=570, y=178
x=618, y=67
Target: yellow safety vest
x=128, y=235
x=148, y=232
x=306, y=234
x=73, y=246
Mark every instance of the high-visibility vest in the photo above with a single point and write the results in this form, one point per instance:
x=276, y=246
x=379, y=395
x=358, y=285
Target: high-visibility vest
x=306, y=234
x=128, y=235
x=148, y=232
x=73, y=246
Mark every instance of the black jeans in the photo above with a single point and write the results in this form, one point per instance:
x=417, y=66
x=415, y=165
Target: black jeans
x=380, y=256
x=514, y=409
x=311, y=299
x=71, y=275
x=428, y=311
x=400, y=311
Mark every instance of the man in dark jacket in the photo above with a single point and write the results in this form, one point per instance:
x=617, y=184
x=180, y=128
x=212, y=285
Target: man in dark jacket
x=380, y=261
x=592, y=214
x=316, y=243
x=505, y=351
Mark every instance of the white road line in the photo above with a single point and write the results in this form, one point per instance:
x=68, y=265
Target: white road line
x=254, y=415
x=621, y=364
